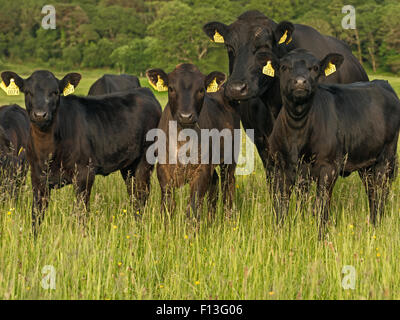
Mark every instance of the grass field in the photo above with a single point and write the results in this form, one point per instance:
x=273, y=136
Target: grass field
x=118, y=256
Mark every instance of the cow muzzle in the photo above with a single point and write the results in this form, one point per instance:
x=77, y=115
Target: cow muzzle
x=237, y=90
x=187, y=120
x=40, y=116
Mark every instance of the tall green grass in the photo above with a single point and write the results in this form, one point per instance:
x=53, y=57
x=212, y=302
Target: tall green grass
x=118, y=255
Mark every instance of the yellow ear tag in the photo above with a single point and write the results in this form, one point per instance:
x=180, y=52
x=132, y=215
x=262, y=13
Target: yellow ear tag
x=213, y=86
x=160, y=85
x=20, y=150
x=218, y=38
x=69, y=89
x=283, y=39
x=331, y=68
x=12, y=89
x=269, y=70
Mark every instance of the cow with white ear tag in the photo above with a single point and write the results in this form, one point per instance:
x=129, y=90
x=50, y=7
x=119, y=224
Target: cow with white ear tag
x=196, y=105
x=325, y=131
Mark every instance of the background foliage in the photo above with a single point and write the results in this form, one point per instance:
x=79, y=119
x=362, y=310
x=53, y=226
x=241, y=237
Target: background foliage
x=131, y=36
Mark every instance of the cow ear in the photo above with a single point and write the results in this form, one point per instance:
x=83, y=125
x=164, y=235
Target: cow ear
x=69, y=83
x=214, y=81
x=331, y=63
x=284, y=32
x=216, y=31
x=158, y=79
x=12, y=83
x=271, y=67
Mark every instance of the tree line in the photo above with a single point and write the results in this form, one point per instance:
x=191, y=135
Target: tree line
x=134, y=35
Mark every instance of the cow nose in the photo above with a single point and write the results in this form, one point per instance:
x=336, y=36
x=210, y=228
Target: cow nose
x=40, y=115
x=301, y=81
x=238, y=88
x=186, y=117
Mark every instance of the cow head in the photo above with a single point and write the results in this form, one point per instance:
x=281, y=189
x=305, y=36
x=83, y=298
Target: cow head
x=42, y=94
x=247, y=41
x=299, y=72
x=186, y=87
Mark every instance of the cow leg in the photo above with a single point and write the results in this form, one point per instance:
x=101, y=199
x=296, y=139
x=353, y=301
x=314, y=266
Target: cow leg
x=137, y=180
x=213, y=196
x=198, y=189
x=83, y=188
x=168, y=203
x=228, y=185
x=282, y=188
x=41, y=197
x=326, y=181
x=368, y=178
x=303, y=188
x=262, y=148
x=377, y=180
x=385, y=173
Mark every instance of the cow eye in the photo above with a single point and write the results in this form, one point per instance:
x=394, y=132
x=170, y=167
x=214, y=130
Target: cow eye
x=171, y=90
x=283, y=68
x=262, y=55
x=201, y=91
x=316, y=68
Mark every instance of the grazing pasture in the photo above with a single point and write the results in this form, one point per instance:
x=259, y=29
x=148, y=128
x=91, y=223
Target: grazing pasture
x=118, y=255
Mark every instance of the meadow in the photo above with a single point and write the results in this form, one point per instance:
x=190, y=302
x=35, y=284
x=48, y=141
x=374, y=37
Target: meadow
x=119, y=255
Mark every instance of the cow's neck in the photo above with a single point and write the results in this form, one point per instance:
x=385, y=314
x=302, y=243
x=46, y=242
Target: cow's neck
x=43, y=143
x=296, y=114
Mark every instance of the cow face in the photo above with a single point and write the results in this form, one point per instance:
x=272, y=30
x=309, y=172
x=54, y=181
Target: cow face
x=247, y=41
x=42, y=94
x=186, y=87
x=299, y=72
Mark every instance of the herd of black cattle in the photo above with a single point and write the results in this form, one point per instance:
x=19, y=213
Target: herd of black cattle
x=315, y=115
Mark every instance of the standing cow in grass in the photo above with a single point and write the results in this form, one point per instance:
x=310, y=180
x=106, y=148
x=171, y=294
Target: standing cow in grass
x=257, y=96
x=327, y=130
x=74, y=138
x=192, y=106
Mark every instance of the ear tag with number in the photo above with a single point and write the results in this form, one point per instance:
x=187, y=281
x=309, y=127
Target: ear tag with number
x=218, y=38
x=12, y=89
x=331, y=68
x=69, y=89
x=213, y=86
x=269, y=70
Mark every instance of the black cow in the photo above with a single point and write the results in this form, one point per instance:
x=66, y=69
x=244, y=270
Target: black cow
x=111, y=83
x=14, y=132
x=248, y=40
x=193, y=104
x=331, y=130
x=74, y=138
